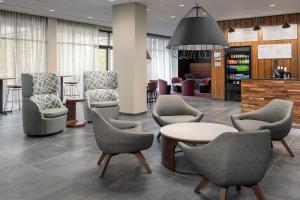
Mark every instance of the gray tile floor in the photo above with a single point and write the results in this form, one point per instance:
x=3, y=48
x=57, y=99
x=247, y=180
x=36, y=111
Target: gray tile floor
x=64, y=166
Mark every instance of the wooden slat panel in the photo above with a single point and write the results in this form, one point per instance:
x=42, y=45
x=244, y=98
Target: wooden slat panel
x=257, y=93
x=260, y=68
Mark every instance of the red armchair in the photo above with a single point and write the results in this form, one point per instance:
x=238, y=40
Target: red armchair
x=163, y=87
x=188, y=88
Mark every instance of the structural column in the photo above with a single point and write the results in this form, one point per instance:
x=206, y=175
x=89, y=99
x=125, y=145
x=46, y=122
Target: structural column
x=52, y=45
x=129, y=35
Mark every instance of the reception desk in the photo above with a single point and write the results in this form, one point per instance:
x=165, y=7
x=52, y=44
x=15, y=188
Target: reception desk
x=256, y=93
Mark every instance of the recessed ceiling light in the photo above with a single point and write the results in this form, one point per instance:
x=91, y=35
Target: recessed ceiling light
x=172, y=16
x=111, y=0
x=272, y=5
x=1, y=1
x=148, y=9
x=181, y=5
x=90, y=17
x=51, y=10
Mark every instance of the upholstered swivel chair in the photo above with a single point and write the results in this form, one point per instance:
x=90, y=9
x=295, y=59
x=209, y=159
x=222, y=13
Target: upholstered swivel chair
x=175, y=80
x=117, y=137
x=43, y=112
x=163, y=87
x=100, y=94
x=232, y=159
x=276, y=116
x=188, y=87
x=171, y=109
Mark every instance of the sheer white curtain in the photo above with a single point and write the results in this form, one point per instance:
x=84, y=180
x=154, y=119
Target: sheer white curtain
x=78, y=48
x=22, y=44
x=162, y=65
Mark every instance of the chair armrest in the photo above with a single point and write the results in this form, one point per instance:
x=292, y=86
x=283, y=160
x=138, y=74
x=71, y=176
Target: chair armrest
x=279, y=129
x=120, y=124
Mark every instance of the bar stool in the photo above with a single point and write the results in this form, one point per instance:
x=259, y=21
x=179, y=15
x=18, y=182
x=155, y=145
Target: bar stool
x=14, y=94
x=71, y=85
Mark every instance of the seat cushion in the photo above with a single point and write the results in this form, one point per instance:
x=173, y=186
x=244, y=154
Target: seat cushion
x=250, y=124
x=177, y=119
x=104, y=104
x=54, y=112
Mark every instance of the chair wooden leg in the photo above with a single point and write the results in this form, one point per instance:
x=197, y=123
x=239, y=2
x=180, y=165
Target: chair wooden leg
x=158, y=136
x=106, y=162
x=201, y=185
x=143, y=161
x=223, y=193
x=287, y=147
x=101, y=158
x=258, y=193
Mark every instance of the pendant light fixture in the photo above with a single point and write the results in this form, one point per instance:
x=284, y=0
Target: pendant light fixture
x=196, y=32
x=231, y=27
x=257, y=27
x=286, y=24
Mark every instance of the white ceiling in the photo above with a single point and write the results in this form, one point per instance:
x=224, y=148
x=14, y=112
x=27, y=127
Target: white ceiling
x=159, y=15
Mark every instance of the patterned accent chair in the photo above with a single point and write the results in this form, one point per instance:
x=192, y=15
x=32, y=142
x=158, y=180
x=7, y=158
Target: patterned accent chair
x=100, y=94
x=43, y=112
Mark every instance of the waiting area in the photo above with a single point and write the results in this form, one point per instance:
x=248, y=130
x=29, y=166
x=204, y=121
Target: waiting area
x=118, y=100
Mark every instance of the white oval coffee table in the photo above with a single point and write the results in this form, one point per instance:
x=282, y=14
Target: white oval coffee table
x=192, y=133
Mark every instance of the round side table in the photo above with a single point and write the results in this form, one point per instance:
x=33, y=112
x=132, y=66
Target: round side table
x=192, y=133
x=72, y=121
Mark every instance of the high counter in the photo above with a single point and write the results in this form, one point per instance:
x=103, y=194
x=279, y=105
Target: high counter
x=256, y=93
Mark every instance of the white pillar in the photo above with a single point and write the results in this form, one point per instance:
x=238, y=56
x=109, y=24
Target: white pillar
x=52, y=45
x=129, y=35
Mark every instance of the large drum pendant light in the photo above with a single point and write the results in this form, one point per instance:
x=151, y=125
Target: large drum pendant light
x=196, y=32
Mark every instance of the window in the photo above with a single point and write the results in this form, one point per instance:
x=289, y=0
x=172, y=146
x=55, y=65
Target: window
x=162, y=65
x=105, y=50
x=22, y=44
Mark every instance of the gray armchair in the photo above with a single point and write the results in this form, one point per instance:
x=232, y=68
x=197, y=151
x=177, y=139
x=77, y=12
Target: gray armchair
x=100, y=94
x=116, y=137
x=277, y=116
x=232, y=160
x=43, y=112
x=171, y=109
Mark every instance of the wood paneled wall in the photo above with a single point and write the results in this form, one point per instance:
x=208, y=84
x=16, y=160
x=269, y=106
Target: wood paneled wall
x=260, y=68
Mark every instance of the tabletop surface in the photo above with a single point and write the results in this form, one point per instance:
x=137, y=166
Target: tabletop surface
x=75, y=99
x=195, y=131
x=63, y=75
x=6, y=77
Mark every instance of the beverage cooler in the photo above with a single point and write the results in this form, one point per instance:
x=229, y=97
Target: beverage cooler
x=237, y=67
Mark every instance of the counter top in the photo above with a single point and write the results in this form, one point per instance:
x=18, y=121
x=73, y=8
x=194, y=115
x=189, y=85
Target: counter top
x=271, y=79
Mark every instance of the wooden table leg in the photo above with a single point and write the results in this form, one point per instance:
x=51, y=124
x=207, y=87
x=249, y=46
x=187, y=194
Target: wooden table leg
x=1, y=96
x=168, y=146
x=72, y=122
x=62, y=88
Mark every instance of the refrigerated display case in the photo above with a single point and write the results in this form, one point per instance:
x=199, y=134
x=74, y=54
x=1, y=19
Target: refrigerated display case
x=237, y=67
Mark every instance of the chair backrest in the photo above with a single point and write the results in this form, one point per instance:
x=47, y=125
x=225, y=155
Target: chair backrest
x=243, y=158
x=188, y=87
x=176, y=80
x=163, y=86
x=38, y=83
x=100, y=80
x=105, y=134
x=152, y=86
x=277, y=110
x=170, y=105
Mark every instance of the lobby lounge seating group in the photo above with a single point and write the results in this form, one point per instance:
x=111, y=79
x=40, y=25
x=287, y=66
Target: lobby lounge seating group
x=171, y=109
x=100, y=94
x=232, y=159
x=117, y=137
x=43, y=112
x=276, y=116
